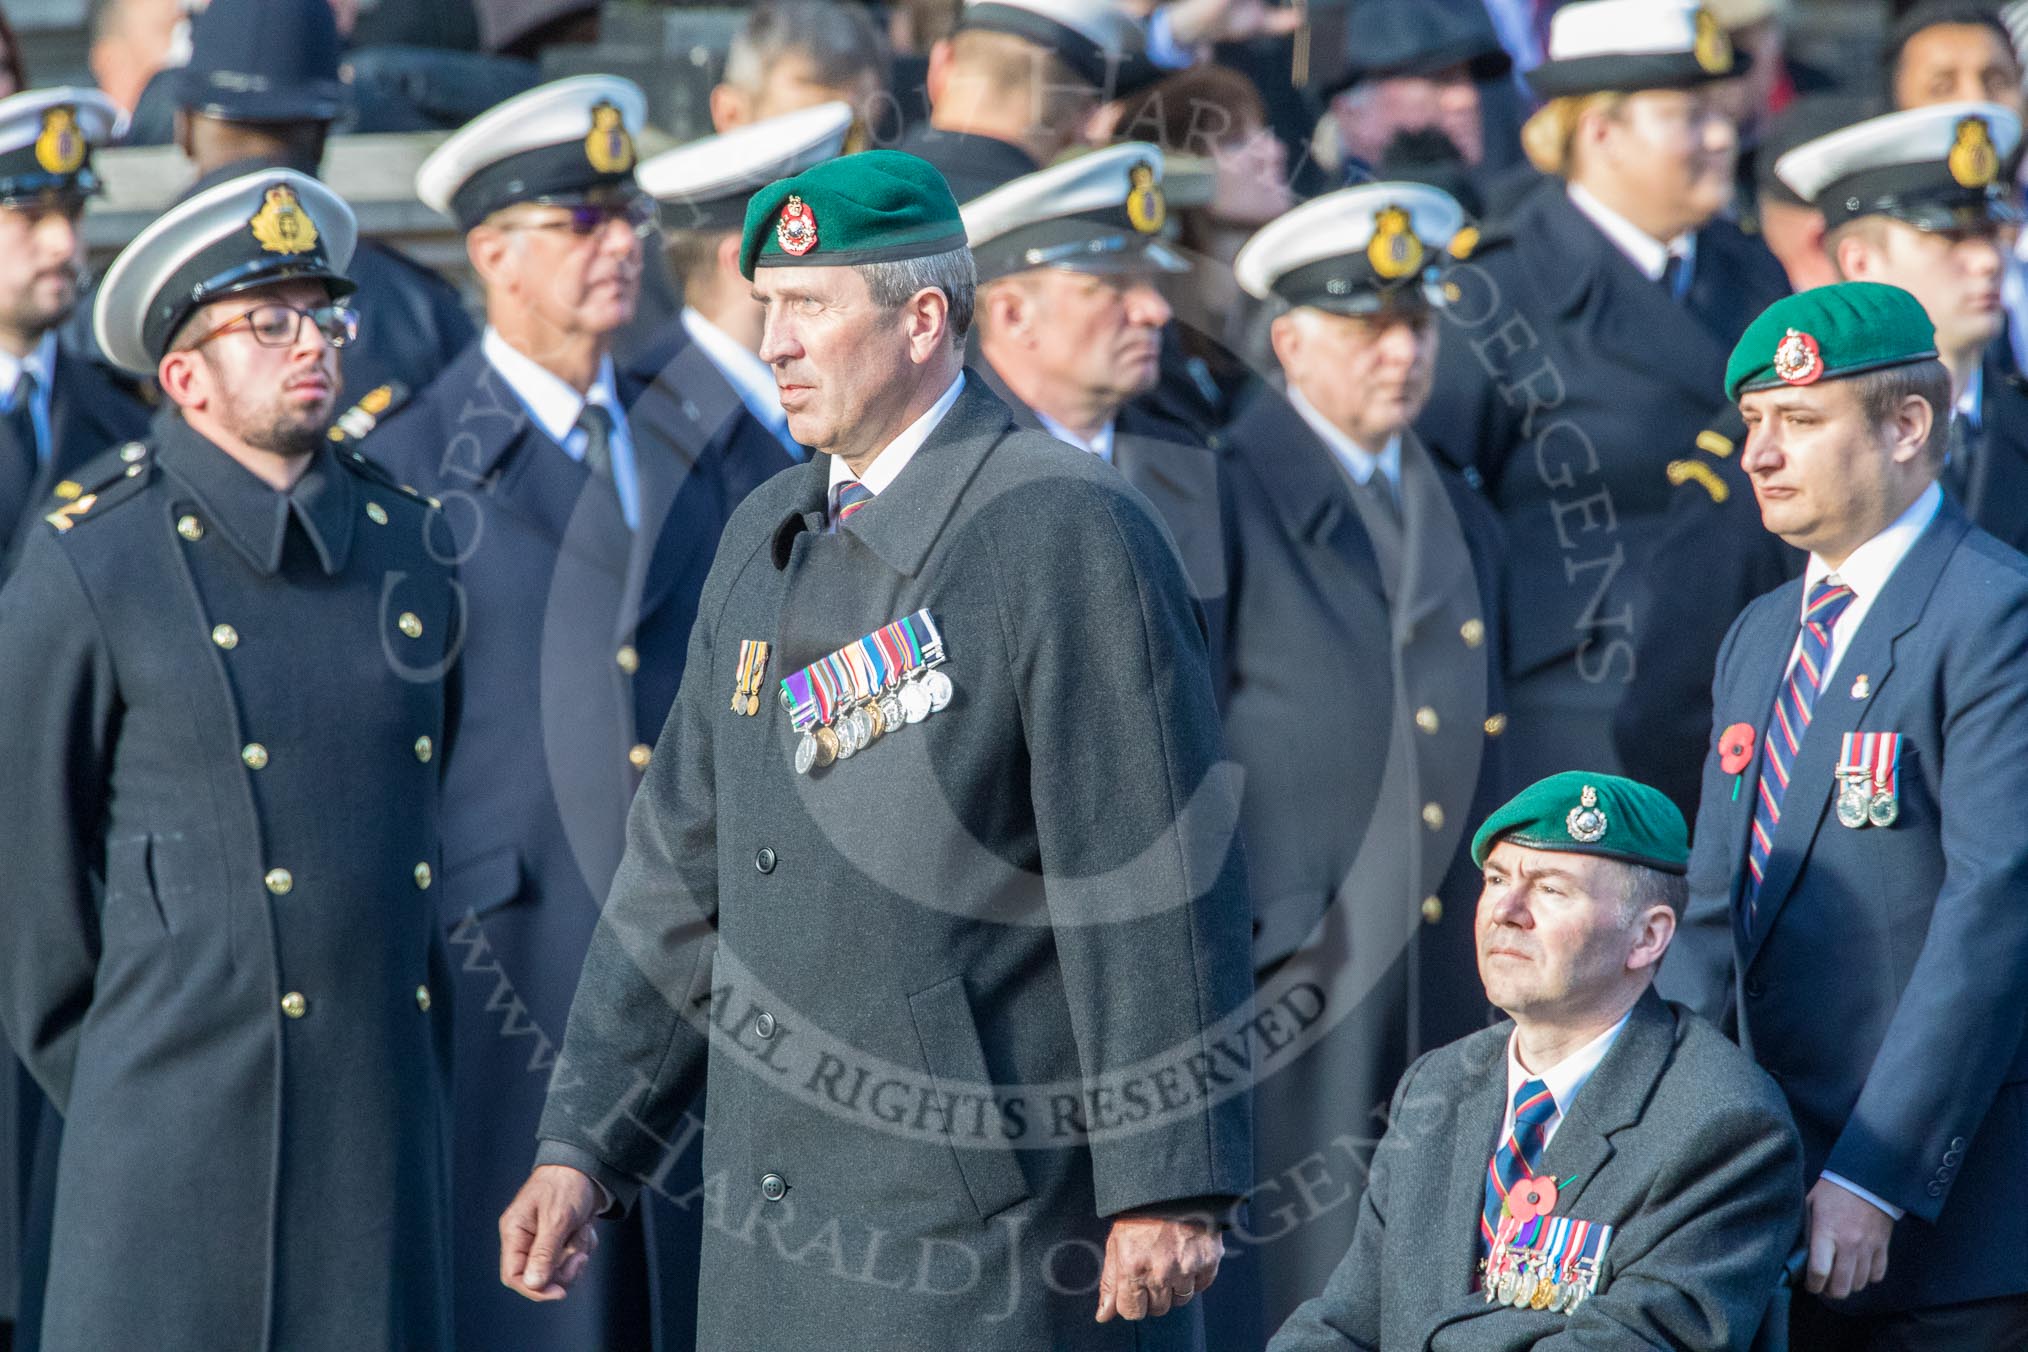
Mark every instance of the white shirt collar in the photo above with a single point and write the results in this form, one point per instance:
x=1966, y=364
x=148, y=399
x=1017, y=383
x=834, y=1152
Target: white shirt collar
x=894, y=457
x=1870, y=565
x=550, y=400
x=1642, y=249
x=1567, y=1076
x=1101, y=444
x=750, y=377
x=1358, y=461
x=1971, y=403
x=40, y=361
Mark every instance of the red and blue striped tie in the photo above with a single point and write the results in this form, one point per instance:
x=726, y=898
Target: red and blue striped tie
x=847, y=498
x=1515, y=1160
x=1827, y=601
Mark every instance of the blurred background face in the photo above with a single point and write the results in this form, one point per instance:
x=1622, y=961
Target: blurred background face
x=1251, y=179
x=1369, y=115
x=1369, y=375
x=1098, y=335
x=574, y=284
x=1956, y=276
x=1957, y=61
x=41, y=260
x=277, y=399
x=1553, y=930
x=1663, y=157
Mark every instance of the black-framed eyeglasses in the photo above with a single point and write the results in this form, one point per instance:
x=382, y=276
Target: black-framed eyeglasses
x=277, y=325
x=589, y=218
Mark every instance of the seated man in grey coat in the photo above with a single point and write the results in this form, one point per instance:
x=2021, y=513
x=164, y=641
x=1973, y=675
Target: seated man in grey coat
x=1606, y=1170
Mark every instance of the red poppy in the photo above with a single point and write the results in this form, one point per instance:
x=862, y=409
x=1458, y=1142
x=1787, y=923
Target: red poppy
x=1531, y=1197
x=1735, y=748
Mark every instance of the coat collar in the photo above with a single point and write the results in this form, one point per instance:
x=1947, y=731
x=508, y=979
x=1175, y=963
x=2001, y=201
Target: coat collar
x=1894, y=612
x=1303, y=482
x=251, y=514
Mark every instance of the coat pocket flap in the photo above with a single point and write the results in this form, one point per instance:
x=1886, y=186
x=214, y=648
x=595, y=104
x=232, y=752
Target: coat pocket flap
x=483, y=883
x=956, y=1060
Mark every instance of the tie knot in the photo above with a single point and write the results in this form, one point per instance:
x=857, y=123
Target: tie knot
x=1827, y=601
x=848, y=497
x=595, y=420
x=1533, y=1105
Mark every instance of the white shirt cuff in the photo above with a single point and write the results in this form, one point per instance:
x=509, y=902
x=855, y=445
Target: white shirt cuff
x=1894, y=1212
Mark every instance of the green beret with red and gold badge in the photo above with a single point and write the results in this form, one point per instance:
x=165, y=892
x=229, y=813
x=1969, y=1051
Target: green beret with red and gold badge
x=879, y=206
x=1828, y=332
x=1579, y=812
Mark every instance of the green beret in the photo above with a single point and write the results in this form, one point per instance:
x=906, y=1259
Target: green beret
x=879, y=206
x=1828, y=332
x=1577, y=812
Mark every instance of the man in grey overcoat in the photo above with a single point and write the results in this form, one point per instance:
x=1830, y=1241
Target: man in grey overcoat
x=934, y=874
x=1605, y=1171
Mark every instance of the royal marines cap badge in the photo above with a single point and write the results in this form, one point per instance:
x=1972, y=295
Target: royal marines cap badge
x=61, y=147
x=1394, y=251
x=796, y=228
x=1147, y=211
x=1797, y=359
x=1712, y=47
x=281, y=225
x=608, y=147
x=1587, y=821
x=1973, y=161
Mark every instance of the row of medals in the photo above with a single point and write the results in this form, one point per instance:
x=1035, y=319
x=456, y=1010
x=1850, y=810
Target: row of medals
x=1860, y=804
x=914, y=698
x=1531, y=1287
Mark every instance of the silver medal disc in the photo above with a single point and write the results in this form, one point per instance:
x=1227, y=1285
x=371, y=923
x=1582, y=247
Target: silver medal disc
x=806, y=753
x=939, y=687
x=1852, y=805
x=891, y=711
x=1883, y=810
x=1504, y=1292
x=848, y=737
x=1524, y=1290
x=915, y=702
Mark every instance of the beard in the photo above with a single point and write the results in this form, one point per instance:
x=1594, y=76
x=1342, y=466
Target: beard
x=266, y=420
x=33, y=313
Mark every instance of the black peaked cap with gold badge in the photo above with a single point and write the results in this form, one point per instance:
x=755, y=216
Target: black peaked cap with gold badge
x=1936, y=168
x=564, y=143
x=704, y=185
x=1100, y=212
x=261, y=229
x=1624, y=46
x=1356, y=251
x=47, y=137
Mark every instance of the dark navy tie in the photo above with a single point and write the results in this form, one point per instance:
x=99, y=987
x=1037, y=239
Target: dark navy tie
x=1534, y=1106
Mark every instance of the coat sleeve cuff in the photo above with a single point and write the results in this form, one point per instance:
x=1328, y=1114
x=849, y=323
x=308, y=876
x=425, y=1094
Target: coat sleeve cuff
x=616, y=1191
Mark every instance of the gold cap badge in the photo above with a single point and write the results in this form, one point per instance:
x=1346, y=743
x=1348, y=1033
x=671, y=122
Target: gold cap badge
x=1712, y=48
x=1394, y=251
x=281, y=225
x=609, y=147
x=1973, y=162
x=60, y=148
x=1146, y=209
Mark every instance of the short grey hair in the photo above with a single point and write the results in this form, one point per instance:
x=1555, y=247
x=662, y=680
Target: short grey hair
x=951, y=272
x=839, y=40
x=1641, y=887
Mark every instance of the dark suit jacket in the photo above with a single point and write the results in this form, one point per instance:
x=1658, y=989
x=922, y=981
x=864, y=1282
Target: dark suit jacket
x=90, y=411
x=1012, y=918
x=1996, y=494
x=1883, y=984
x=1365, y=718
x=572, y=658
x=1570, y=381
x=412, y=323
x=1676, y=1140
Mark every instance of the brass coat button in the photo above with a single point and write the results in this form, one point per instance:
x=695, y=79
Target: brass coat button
x=255, y=755
x=1426, y=718
x=424, y=749
x=1473, y=632
x=1433, y=816
x=422, y=876
x=190, y=528
x=225, y=636
x=279, y=881
x=628, y=658
x=1432, y=910
x=294, y=1005
x=422, y=998
x=774, y=1187
x=132, y=451
x=1496, y=725
x=376, y=513
x=409, y=623
x=640, y=755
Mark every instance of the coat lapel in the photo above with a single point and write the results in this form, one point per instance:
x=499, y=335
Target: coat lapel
x=1764, y=654
x=1313, y=499
x=1430, y=575
x=1897, y=608
x=1997, y=496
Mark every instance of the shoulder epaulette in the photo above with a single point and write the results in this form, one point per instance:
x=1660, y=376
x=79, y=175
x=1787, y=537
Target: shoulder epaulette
x=1695, y=469
x=97, y=484
x=355, y=422
x=374, y=472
